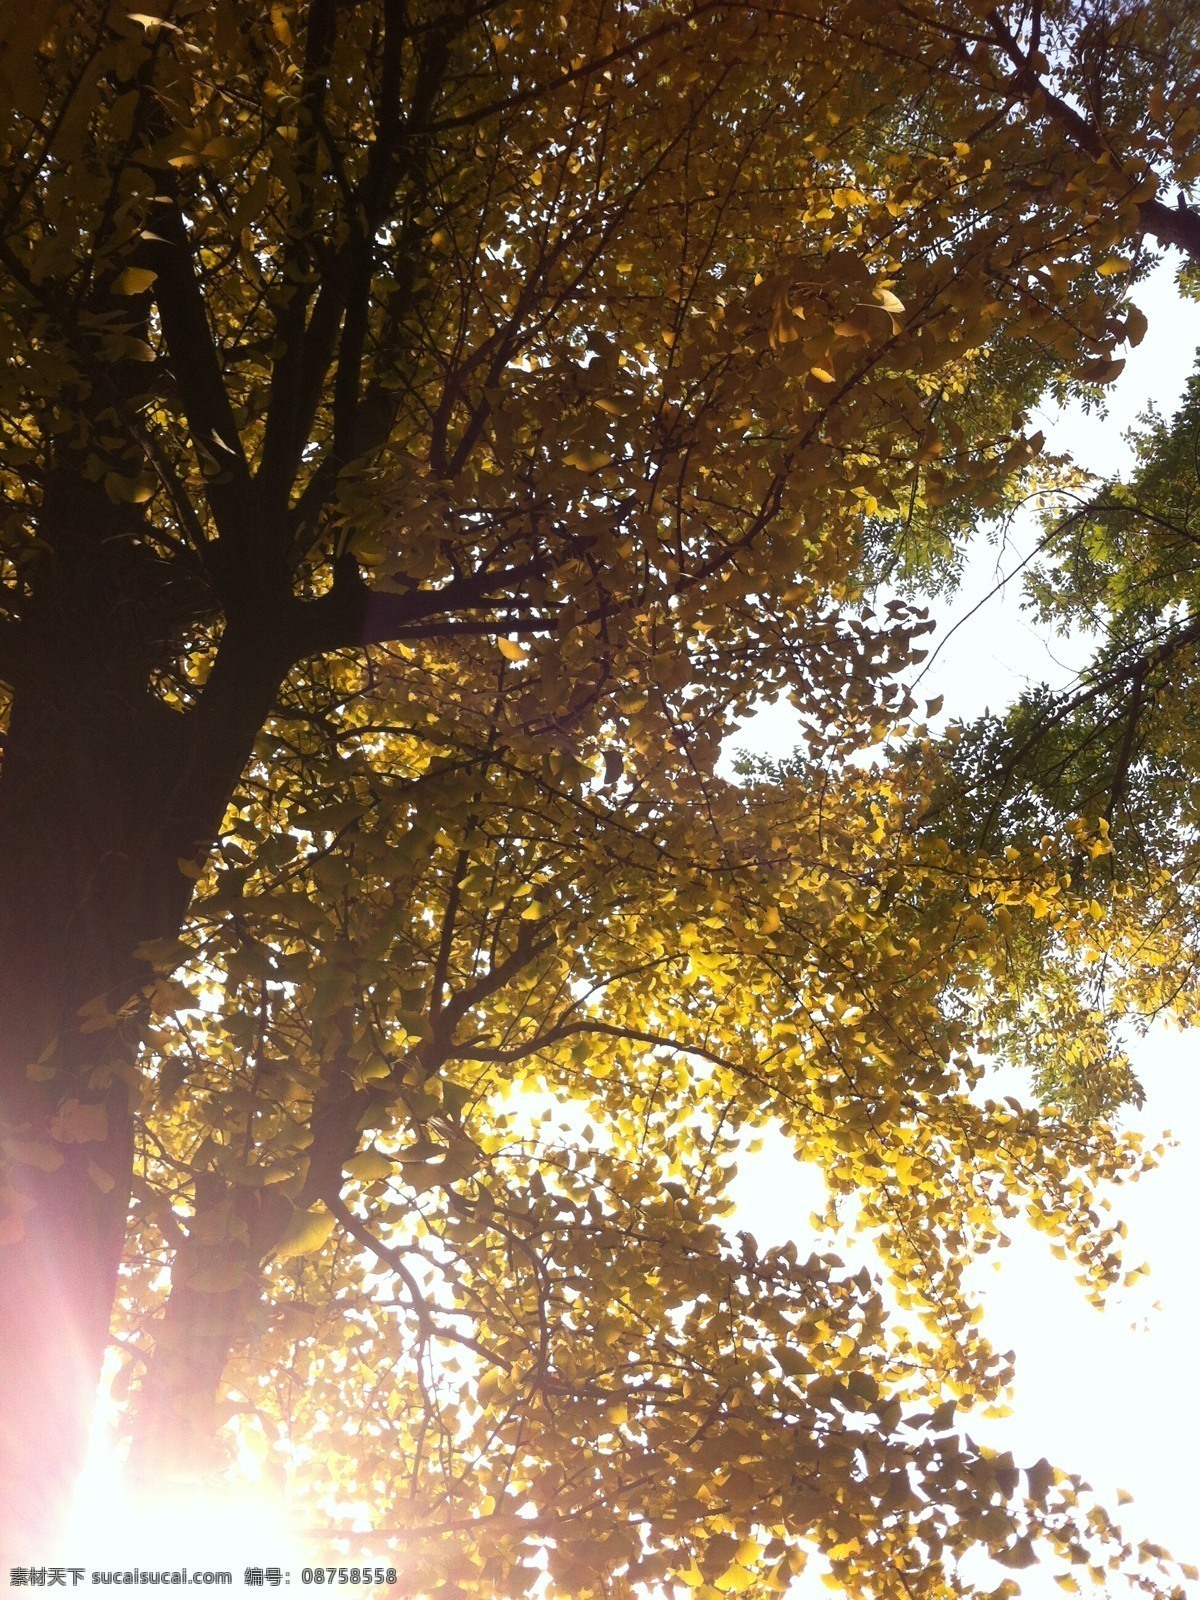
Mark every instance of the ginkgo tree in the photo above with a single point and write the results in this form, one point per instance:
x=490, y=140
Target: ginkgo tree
x=479, y=1116
x=424, y=431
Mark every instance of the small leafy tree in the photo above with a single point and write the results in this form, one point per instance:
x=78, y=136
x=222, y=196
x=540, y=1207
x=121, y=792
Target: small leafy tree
x=1107, y=765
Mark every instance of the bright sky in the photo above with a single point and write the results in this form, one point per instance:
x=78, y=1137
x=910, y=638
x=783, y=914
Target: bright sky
x=1110, y=1395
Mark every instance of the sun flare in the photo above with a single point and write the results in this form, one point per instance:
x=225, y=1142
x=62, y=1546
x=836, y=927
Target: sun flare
x=226, y=1528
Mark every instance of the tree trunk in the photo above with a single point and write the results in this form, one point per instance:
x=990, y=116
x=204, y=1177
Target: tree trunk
x=103, y=789
x=233, y=1230
x=175, y=1440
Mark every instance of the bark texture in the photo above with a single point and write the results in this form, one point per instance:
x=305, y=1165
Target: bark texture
x=104, y=789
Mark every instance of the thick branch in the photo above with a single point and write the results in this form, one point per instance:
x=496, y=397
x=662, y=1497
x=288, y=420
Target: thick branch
x=1174, y=225
x=286, y=395
x=10, y=649
x=1125, y=754
x=1169, y=225
x=340, y=316
x=387, y=1257
x=470, y=1051
x=352, y=614
x=1134, y=670
x=527, y=947
x=592, y=67
x=192, y=352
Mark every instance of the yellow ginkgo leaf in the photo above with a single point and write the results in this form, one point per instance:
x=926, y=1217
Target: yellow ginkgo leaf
x=133, y=280
x=368, y=1165
x=305, y=1233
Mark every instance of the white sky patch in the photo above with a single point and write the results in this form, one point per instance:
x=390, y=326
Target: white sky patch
x=1108, y=1394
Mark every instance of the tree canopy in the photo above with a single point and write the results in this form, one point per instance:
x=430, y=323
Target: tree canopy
x=425, y=431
